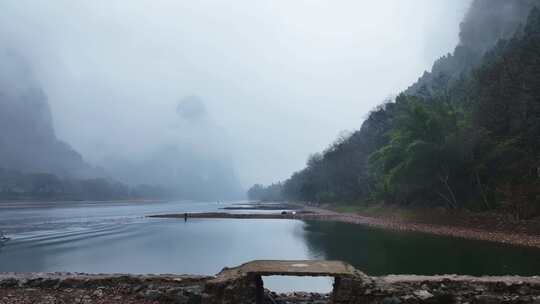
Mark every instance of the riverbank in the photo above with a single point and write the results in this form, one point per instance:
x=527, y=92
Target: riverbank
x=471, y=227
x=486, y=226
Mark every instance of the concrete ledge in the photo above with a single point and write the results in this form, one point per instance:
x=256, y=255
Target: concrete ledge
x=299, y=268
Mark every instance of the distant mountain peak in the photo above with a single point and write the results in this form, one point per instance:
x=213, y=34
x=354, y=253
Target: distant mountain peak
x=27, y=138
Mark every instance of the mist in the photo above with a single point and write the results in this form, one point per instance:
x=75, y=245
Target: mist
x=250, y=87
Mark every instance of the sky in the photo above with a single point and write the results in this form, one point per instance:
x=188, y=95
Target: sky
x=278, y=79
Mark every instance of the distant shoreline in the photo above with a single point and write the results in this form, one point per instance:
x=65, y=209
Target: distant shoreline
x=35, y=201
x=319, y=214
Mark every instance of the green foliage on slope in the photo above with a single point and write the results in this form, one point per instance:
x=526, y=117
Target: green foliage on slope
x=467, y=137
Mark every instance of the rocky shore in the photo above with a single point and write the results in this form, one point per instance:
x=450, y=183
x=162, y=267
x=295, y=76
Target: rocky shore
x=64, y=288
x=296, y=298
x=530, y=239
x=44, y=288
x=60, y=288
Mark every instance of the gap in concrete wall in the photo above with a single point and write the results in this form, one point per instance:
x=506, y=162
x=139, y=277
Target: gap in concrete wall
x=284, y=284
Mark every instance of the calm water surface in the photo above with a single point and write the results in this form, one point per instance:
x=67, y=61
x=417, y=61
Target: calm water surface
x=118, y=238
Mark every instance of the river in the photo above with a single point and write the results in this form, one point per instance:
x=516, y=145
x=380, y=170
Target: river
x=116, y=237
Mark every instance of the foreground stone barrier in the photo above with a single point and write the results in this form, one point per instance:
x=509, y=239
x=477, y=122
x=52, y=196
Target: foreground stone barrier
x=437, y=290
x=55, y=288
x=244, y=285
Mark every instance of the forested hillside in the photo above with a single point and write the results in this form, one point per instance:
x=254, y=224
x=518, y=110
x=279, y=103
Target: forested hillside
x=466, y=135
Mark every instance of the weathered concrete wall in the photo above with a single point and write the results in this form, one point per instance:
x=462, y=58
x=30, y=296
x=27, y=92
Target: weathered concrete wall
x=248, y=289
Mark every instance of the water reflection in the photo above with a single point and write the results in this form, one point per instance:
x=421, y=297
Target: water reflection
x=283, y=284
x=379, y=252
x=118, y=238
x=157, y=246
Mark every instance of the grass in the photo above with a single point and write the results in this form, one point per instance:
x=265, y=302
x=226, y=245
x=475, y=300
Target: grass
x=379, y=210
x=487, y=221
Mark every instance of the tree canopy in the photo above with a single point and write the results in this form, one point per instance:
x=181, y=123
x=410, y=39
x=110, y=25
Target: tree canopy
x=467, y=137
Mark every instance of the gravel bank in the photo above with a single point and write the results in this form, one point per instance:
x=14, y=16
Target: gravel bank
x=311, y=213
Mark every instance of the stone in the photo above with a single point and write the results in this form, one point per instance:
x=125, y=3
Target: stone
x=194, y=299
x=524, y=290
x=9, y=283
x=391, y=300
x=194, y=289
x=86, y=299
x=487, y=299
x=152, y=294
x=180, y=298
x=408, y=298
x=423, y=294
x=98, y=293
x=479, y=289
x=137, y=288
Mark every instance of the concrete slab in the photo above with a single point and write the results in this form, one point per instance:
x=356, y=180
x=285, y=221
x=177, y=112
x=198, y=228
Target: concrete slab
x=308, y=268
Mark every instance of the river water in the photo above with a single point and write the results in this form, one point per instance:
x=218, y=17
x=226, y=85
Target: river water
x=115, y=237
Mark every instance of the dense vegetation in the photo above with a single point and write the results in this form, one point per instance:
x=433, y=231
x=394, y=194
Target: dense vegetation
x=268, y=193
x=466, y=135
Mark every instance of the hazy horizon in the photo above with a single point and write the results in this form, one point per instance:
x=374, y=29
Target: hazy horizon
x=275, y=81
